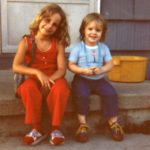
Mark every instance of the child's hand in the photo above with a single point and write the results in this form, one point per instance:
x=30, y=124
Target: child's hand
x=44, y=79
x=97, y=71
x=51, y=81
x=88, y=71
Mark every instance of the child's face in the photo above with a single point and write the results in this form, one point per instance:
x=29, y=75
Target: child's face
x=93, y=33
x=49, y=25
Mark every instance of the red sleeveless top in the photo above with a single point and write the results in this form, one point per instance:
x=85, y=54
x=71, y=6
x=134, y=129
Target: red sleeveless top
x=44, y=61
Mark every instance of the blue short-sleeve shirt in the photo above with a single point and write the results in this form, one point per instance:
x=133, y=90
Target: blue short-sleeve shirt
x=85, y=57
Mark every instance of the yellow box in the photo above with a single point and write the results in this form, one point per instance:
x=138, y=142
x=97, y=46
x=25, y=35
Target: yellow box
x=128, y=69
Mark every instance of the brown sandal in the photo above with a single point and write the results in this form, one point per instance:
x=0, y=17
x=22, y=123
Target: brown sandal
x=82, y=133
x=116, y=131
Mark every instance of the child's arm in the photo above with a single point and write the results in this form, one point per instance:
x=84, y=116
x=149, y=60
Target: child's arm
x=18, y=62
x=107, y=67
x=61, y=64
x=19, y=67
x=78, y=70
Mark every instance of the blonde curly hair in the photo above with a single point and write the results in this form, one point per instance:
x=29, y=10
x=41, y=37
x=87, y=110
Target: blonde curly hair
x=61, y=34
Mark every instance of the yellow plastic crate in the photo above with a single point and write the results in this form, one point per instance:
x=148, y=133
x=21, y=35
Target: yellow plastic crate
x=128, y=69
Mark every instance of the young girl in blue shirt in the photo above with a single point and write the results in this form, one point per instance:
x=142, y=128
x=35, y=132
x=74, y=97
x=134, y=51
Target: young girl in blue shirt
x=90, y=59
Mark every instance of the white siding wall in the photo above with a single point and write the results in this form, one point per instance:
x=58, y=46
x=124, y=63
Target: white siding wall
x=16, y=16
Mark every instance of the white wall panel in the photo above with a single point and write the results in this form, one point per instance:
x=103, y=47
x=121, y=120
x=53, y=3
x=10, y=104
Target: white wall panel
x=16, y=16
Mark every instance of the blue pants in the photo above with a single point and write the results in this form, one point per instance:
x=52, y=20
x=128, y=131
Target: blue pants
x=82, y=88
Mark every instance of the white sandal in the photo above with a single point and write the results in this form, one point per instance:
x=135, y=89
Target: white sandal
x=36, y=136
x=56, y=137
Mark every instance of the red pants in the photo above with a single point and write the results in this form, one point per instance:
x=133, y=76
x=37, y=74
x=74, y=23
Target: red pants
x=57, y=97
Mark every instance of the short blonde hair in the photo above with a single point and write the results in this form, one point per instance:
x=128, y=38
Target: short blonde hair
x=61, y=34
x=88, y=19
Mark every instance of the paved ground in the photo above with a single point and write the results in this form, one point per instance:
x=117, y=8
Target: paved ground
x=98, y=142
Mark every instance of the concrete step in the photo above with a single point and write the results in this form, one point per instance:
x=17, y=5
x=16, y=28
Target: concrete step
x=134, y=102
x=131, y=95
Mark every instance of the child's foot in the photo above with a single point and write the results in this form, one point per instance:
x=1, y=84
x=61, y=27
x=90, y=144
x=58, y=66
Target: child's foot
x=116, y=131
x=82, y=133
x=56, y=137
x=34, y=137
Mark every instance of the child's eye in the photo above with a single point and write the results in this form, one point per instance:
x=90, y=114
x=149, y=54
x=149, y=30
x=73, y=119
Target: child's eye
x=56, y=25
x=98, y=30
x=47, y=20
x=90, y=29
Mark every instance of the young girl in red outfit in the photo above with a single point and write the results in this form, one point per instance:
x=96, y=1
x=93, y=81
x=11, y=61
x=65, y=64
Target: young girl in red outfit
x=49, y=30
